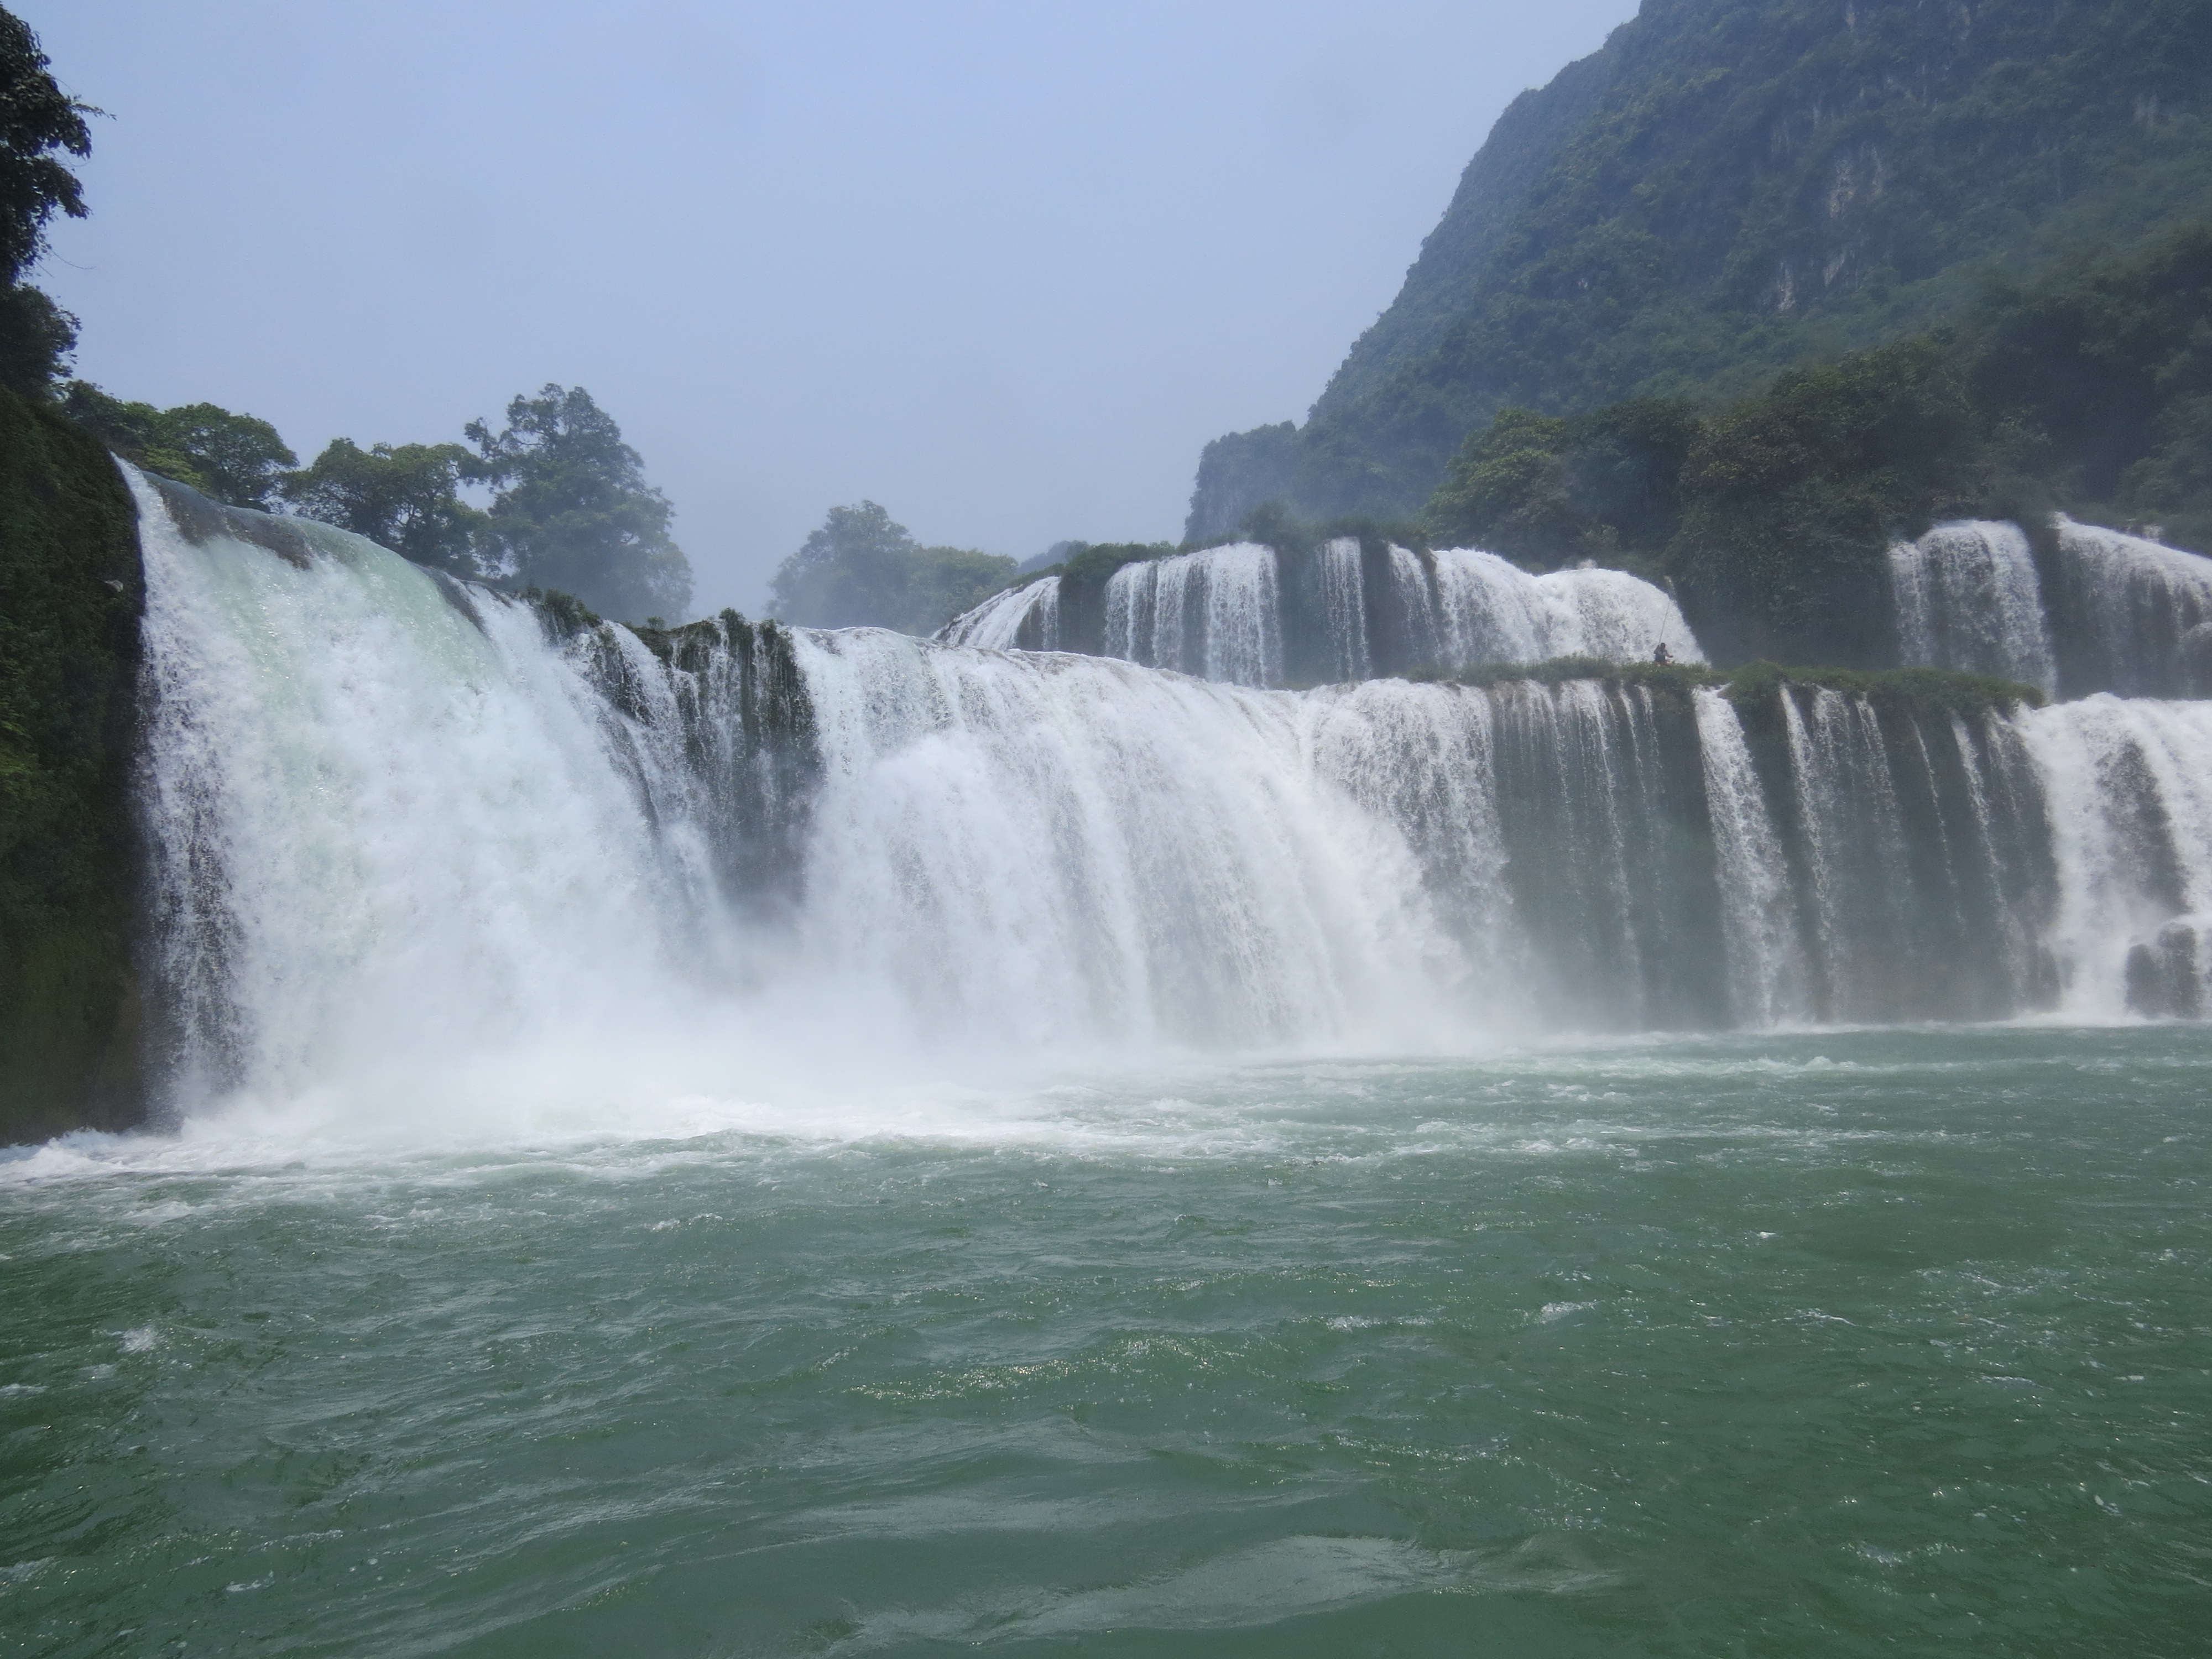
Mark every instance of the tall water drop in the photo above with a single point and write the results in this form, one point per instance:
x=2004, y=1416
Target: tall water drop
x=1968, y=598
x=1768, y=980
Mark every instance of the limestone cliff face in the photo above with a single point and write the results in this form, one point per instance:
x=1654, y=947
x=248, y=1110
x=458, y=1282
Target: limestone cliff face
x=1729, y=186
x=71, y=597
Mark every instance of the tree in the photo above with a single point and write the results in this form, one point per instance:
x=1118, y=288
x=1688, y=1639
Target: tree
x=404, y=497
x=862, y=569
x=240, y=459
x=1547, y=490
x=236, y=459
x=574, y=511
x=37, y=119
x=851, y=573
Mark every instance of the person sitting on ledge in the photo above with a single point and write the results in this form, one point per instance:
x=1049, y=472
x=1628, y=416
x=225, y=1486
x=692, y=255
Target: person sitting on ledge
x=1662, y=656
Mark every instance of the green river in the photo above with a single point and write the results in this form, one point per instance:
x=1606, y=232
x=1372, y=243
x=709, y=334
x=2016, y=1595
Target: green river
x=1841, y=1343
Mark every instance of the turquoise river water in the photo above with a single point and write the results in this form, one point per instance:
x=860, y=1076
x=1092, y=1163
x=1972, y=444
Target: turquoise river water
x=1831, y=1343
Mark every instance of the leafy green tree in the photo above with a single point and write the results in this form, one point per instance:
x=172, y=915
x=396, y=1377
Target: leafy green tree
x=37, y=120
x=404, y=497
x=862, y=569
x=946, y=580
x=574, y=511
x=2098, y=381
x=241, y=458
x=236, y=459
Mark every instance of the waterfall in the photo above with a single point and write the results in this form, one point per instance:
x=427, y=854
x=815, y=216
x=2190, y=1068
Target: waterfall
x=1968, y=599
x=1343, y=610
x=2135, y=617
x=1247, y=614
x=1213, y=614
x=1495, y=612
x=1768, y=983
x=414, y=840
x=391, y=828
x=1025, y=618
x=1061, y=850
x=2130, y=784
x=1854, y=852
x=2106, y=612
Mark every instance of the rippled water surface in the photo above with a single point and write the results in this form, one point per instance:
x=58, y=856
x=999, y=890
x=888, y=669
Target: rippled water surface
x=1837, y=1344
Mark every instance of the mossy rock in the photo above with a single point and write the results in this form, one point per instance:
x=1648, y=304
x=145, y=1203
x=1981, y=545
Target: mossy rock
x=71, y=595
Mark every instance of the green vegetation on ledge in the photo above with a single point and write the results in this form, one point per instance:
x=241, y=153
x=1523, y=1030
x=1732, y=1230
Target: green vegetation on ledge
x=1753, y=685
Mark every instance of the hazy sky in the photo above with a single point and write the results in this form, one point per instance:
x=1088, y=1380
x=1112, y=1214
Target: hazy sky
x=1004, y=268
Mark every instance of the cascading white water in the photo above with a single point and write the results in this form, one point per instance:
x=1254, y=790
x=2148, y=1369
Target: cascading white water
x=2118, y=613
x=1344, y=609
x=1968, y=599
x=1246, y=615
x=1213, y=613
x=1855, y=841
x=2141, y=614
x=392, y=839
x=1070, y=851
x=1026, y=617
x=2129, y=787
x=1768, y=983
x=1494, y=611
x=412, y=852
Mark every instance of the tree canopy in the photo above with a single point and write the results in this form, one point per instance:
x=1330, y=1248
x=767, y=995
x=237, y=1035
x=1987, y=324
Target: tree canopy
x=236, y=459
x=403, y=496
x=574, y=511
x=571, y=513
x=861, y=569
x=39, y=124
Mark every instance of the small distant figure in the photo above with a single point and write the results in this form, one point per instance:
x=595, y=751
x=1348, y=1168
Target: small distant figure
x=1662, y=656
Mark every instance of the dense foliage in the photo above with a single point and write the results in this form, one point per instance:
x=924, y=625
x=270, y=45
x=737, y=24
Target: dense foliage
x=862, y=569
x=1730, y=187
x=234, y=458
x=1553, y=490
x=39, y=124
x=2097, y=381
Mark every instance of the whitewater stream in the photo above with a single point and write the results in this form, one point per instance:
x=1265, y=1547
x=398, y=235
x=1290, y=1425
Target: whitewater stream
x=826, y=1143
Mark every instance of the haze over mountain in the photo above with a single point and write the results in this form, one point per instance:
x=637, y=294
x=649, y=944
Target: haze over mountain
x=1730, y=187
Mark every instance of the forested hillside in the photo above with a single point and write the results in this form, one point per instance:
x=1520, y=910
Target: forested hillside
x=1731, y=188
x=2088, y=391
